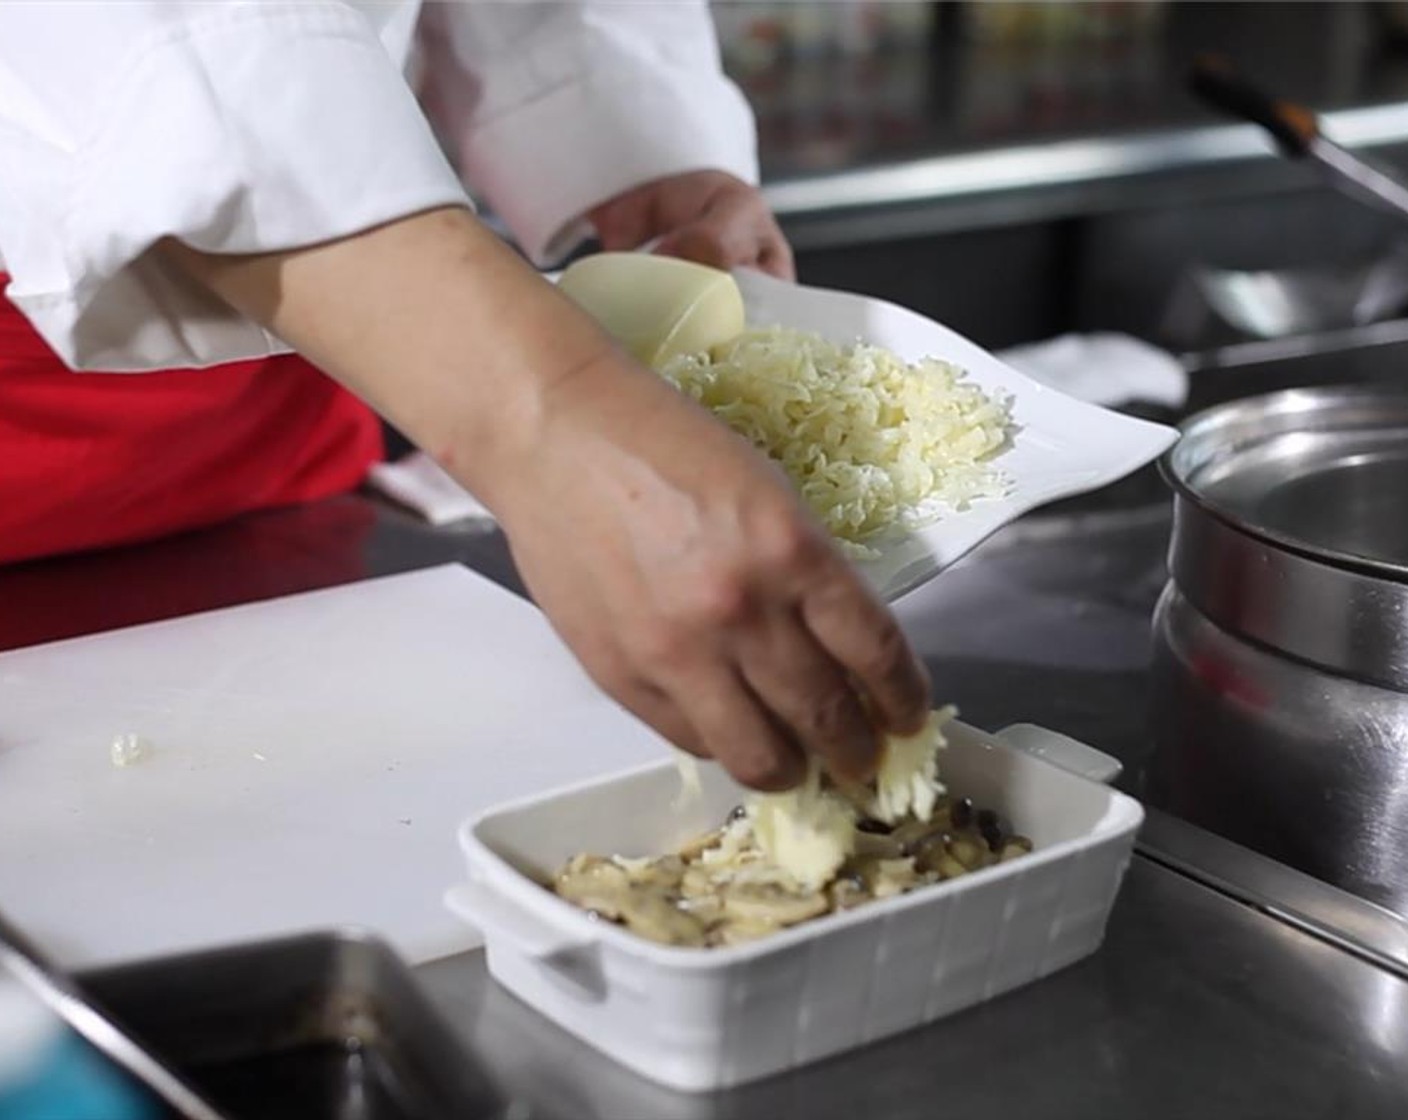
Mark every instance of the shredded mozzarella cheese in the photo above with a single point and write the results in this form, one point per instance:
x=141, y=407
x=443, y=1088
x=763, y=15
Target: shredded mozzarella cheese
x=870, y=441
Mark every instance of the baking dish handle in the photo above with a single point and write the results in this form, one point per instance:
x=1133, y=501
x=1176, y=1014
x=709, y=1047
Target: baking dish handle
x=490, y=913
x=1061, y=750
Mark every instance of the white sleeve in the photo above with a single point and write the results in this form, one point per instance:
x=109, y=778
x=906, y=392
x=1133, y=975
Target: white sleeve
x=236, y=127
x=552, y=108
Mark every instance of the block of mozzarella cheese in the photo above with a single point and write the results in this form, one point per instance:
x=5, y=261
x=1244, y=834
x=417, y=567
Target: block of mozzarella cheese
x=656, y=307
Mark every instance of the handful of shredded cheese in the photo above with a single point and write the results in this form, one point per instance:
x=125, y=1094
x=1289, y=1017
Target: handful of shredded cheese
x=907, y=784
x=807, y=833
x=870, y=441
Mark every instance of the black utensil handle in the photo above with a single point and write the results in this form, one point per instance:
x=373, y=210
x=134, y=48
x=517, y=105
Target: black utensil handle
x=1214, y=80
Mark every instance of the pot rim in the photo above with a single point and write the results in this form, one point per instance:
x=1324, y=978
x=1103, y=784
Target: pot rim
x=1283, y=402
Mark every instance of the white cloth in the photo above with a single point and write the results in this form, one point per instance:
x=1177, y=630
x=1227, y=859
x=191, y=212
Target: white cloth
x=254, y=125
x=1103, y=368
x=419, y=482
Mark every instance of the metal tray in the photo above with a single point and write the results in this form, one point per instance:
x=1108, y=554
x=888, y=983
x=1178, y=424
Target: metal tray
x=327, y=1026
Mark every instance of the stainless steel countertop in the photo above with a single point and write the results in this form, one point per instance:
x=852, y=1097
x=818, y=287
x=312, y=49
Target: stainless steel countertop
x=1195, y=1006
x=1201, y=1001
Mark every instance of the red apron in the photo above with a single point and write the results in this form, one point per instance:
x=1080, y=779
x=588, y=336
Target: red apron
x=95, y=459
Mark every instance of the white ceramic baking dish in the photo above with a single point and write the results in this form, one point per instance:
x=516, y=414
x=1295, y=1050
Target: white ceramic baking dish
x=700, y=1019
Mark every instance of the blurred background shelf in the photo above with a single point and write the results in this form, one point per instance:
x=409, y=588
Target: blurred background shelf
x=1020, y=170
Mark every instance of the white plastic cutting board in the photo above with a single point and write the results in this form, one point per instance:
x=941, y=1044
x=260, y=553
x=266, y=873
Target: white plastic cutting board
x=312, y=757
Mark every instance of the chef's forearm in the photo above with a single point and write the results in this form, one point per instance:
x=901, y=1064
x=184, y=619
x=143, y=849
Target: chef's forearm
x=434, y=322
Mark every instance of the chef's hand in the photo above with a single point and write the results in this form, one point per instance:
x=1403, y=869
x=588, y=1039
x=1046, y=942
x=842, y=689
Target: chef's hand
x=705, y=216
x=681, y=569
x=673, y=559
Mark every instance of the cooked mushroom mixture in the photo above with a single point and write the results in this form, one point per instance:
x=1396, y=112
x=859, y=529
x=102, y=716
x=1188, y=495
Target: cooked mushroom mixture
x=721, y=889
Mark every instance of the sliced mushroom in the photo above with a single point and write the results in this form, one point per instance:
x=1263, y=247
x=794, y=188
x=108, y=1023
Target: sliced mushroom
x=763, y=903
x=848, y=892
x=708, y=908
x=651, y=914
x=885, y=878
x=596, y=884
x=912, y=832
x=740, y=932
x=735, y=843
x=721, y=889
x=691, y=850
x=897, y=876
x=877, y=846
x=663, y=874
x=696, y=883
x=927, y=852
x=971, y=853
x=924, y=837
x=1014, y=848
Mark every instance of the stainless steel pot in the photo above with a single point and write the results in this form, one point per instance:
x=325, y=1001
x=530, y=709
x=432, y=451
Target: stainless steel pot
x=1280, y=678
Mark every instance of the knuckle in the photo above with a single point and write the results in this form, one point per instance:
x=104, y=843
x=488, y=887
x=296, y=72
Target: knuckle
x=889, y=658
x=770, y=771
x=719, y=599
x=830, y=716
x=663, y=645
x=691, y=621
x=788, y=544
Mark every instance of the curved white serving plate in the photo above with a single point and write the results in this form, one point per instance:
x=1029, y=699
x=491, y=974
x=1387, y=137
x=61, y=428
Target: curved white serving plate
x=1061, y=447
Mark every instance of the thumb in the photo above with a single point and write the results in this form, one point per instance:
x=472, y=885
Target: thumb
x=620, y=226
x=697, y=244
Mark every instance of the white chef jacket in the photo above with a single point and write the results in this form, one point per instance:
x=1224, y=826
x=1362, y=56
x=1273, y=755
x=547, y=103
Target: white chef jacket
x=241, y=126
